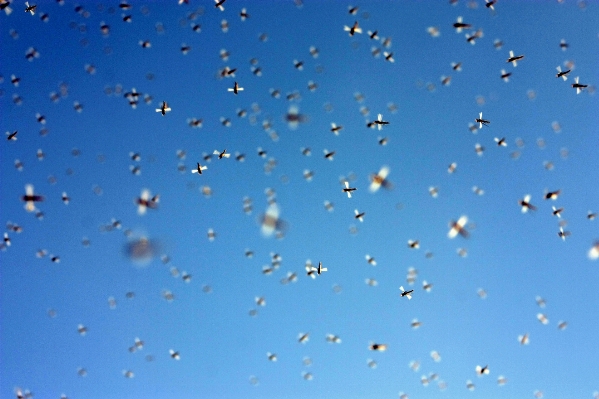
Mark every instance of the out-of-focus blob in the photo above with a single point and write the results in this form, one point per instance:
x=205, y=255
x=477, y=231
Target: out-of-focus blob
x=271, y=223
x=141, y=250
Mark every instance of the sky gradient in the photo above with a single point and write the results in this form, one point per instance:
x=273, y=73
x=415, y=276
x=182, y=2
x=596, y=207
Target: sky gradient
x=214, y=323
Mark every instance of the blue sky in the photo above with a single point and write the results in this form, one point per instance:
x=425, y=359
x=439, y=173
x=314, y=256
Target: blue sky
x=514, y=257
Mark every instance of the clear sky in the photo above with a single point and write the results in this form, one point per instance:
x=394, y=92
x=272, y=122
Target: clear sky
x=221, y=334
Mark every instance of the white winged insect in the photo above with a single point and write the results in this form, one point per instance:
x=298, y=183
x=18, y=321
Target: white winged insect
x=407, y=294
x=514, y=58
x=144, y=202
x=302, y=338
x=481, y=121
x=333, y=339
x=379, y=122
x=501, y=142
x=294, y=118
x=219, y=4
x=174, y=354
x=505, y=75
x=482, y=370
x=164, y=108
x=321, y=269
x=526, y=205
x=30, y=8
x=199, y=169
x=459, y=25
x=355, y=28
x=235, y=89
x=563, y=234
x=458, y=227
x=5, y=5
x=578, y=86
x=222, y=154
x=30, y=198
x=11, y=136
x=562, y=74
x=359, y=215
x=427, y=286
x=523, y=339
x=379, y=179
x=244, y=14
x=377, y=347
x=348, y=190
x=335, y=128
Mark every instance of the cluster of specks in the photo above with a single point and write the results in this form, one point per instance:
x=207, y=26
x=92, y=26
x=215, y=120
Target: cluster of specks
x=142, y=250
